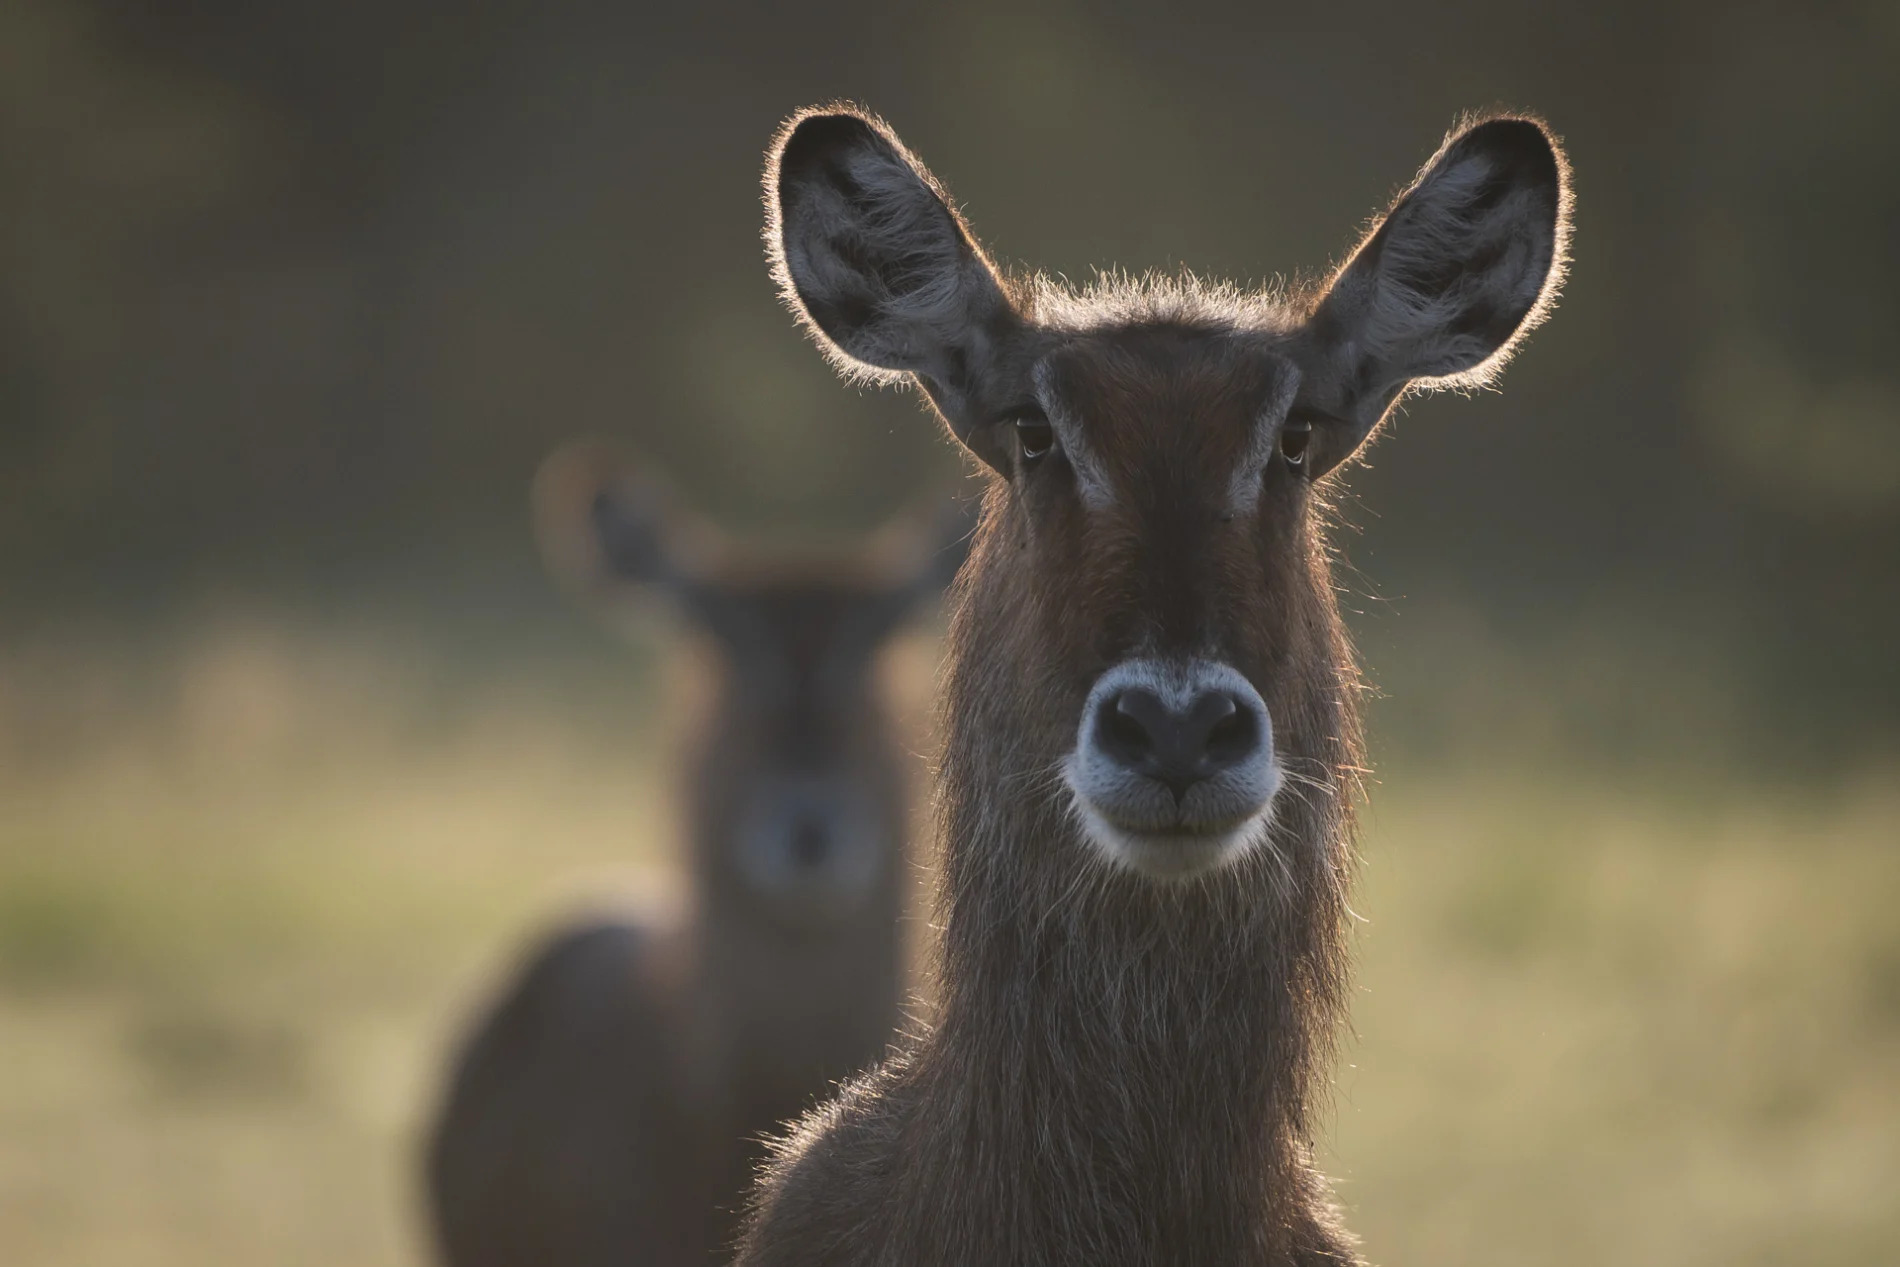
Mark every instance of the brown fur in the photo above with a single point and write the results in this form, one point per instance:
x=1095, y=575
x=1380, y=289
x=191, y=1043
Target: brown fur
x=609, y=1106
x=1124, y=1070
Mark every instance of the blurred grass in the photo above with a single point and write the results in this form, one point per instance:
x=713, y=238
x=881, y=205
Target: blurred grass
x=247, y=890
x=1603, y=1025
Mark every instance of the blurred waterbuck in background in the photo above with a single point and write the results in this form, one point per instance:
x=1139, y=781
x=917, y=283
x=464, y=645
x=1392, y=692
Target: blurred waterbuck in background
x=1151, y=726
x=608, y=1106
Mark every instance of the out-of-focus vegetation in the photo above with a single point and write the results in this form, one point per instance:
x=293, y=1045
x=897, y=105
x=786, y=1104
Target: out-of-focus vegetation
x=240, y=905
x=294, y=294
x=1603, y=1019
x=295, y=743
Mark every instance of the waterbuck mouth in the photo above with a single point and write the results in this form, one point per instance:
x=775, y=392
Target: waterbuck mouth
x=1175, y=853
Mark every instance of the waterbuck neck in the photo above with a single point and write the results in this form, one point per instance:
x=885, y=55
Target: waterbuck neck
x=1151, y=1053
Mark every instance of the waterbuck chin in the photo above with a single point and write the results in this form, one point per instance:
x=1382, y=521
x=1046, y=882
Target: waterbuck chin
x=1151, y=739
x=609, y=1104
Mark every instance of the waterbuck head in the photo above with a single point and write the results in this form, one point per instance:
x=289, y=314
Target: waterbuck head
x=796, y=789
x=1150, y=622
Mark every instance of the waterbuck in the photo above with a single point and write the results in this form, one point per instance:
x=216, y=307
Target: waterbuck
x=1150, y=726
x=609, y=1105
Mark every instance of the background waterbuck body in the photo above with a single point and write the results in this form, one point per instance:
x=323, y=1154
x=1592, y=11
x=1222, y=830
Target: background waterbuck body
x=1150, y=722
x=608, y=1107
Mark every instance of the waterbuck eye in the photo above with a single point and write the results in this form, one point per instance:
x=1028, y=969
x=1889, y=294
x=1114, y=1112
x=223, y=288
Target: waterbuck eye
x=1295, y=435
x=1035, y=437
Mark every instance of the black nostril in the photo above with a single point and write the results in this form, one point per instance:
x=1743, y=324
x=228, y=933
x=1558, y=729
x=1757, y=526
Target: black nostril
x=1125, y=727
x=809, y=843
x=1234, y=736
x=1178, y=747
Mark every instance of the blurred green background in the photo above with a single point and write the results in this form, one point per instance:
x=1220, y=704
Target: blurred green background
x=296, y=742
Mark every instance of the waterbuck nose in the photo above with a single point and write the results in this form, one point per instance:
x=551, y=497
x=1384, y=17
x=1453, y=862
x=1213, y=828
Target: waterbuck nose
x=1177, y=744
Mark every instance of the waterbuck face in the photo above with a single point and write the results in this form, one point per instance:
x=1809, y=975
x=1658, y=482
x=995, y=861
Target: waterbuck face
x=798, y=780
x=796, y=793
x=1162, y=570
x=1151, y=589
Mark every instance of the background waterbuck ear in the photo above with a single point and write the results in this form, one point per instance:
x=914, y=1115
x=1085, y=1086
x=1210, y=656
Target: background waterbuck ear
x=1467, y=261
x=868, y=250
x=921, y=554
x=606, y=532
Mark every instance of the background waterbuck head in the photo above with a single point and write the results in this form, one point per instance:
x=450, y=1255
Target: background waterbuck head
x=794, y=789
x=609, y=1105
x=1150, y=720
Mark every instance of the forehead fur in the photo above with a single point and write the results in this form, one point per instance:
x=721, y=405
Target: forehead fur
x=1171, y=394
x=1116, y=299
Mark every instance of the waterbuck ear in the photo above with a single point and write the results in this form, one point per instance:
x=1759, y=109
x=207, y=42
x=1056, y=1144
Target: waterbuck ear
x=916, y=557
x=604, y=530
x=1465, y=263
x=947, y=542
x=868, y=250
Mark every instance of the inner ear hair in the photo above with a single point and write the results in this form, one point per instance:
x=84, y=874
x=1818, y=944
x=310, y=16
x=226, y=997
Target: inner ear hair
x=1473, y=254
x=872, y=256
x=1446, y=285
